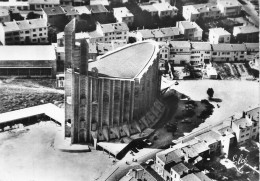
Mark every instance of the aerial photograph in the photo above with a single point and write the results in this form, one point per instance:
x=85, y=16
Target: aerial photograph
x=129, y=90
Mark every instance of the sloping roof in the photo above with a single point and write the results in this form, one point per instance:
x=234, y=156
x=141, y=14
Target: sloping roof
x=252, y=46
x=69, y=10
x=123, y=12
x=9, y=26
x=229, y=3
x=33, y=53
x=180, y=44
x=57, y=10
x=171, y=31
x=149, y=8
x=4, y=12
x=164, y=6
x=222, y=47
x=114, y=27
x=238, y=47
x=57, y=2
x=128, y=61
x=190, y=152
x=31, y=24
x=96, y=2
x=190, y=177
x=146, y=33
x=187, y=24
x=170, y=157
x=180, y=168
x=98, y=8
x=210, y=137
x=200, y=147
x=201, y=46
x=219, y=31
x=82, y=10
x=247, y=29
x=202, y=176
x=113, y=148
x=94, y=34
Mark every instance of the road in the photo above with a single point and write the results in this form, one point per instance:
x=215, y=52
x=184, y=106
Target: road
x=251, y=11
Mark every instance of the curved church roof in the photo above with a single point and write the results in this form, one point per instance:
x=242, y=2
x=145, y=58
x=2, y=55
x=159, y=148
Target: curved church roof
x=128, y=61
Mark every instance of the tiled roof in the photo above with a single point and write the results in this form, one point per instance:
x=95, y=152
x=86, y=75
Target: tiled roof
x=82, y=10
x=180, y=44
x=57, y=10
x=164, y=6
x=94, y=34
x=114, y=27
x=201, y=46
x=200, y=147
x=222, y=47
x=98, y=8
x=219, y=31
x=69, y=10
x=190, y=177
x=202, y=176
x=171, y=157
x=10, y=26
x=57, y=2
x=149, y=8
x=252, y=46
x=34, y=53
x=128, y=61
x=180, y=168
x=210, y=137
x=247, y=29
x=146, y=33
x=190, y=152
x=238, y=47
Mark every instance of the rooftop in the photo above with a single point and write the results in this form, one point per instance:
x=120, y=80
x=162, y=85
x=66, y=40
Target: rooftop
x=252, y=46
x=123, y=12
x=82, y=10
x=92, y=34
x=170, y=157
x=146, y=33
x=33, y=53
x=188, y=24
x=164, y=6
x=180, y=44
x=10, y=26
x=247, y=29
x=114, y=27
x=229, y=3
x=202, y=176
x=200, y=147
x=180, y=168
x=4, y=12
x=98, y=8
x=201, y=46
x=222, y=47
x=219, y=31
x=57, y=2
x=97, y=2
x=69, y=10
x=190, y=177
x=238, y=47
x=57, y=10
x=190, y=152
x=149, y=8
x=128, y=61
x=210, y=137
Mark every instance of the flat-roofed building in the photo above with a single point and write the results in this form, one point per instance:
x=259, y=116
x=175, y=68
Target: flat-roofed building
x=165, y=10
x=122, y=14
x=28, y=61
x=246, y=34
x=54, y=15
x=204, y=11
x=9, y=33
x=219, y=35
x=149, y=8
x=190, y=30
x=229, y=7
x=71, y=12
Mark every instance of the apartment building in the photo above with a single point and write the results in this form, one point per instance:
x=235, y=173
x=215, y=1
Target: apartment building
x=149, y=8
x=219, y=35
x=70, y=12
x=9, y=33
x=180, y=52
x=113, y=31
x=82, y=10
x=248, y=34
x=73, y=2
x=54, y=15
x=4, y=15
x=229, y=7
x=228, y=52
x=14, y=5
x=165, y=10
x=200, y=53
x=212, y=139
x=122, y=14
x=190, y=30
x=38, y=5
x=204, y=11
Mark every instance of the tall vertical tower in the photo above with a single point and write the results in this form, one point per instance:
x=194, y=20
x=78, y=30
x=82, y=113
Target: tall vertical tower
x=76, y=80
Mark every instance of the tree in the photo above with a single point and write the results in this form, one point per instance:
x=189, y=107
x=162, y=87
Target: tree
x=32, y=15
x=210, y=93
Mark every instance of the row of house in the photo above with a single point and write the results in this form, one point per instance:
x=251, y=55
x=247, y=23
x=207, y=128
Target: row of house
x=23, y=32
x=181, y=52
x=178, y=163
x=184, y=30
x=212, y=10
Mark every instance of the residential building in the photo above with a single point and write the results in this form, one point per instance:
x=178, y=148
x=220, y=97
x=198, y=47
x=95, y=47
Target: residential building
x=246, y=127
x=180, y=52
x=24, y=32
x=4, y=15
x=180, y=170
x=28, y=61
x=14, y=5
x=228, y=52
x=82, y=10
x=122, y=14
x=165, y=10
x=73, y=2
x=219, y=35
x=200, y=53
x=251, y=50
x=98, y=9
x=190, y=30
x=54, y=15
x=70, y=12
x=203, y=11
x=113, y=31
x=229, y=7
x=97, y=2
x=149, y=8
x=164, y=51
x=248, y=34
x=38, y=5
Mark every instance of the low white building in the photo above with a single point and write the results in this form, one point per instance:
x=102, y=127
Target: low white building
x=229, y=7
x=14, y=5
x=122, y=14
x=190, y=30
x=165, y=9
x=204, y=11
x=180, y=52
x=149, y=8
x=219, y=35
x=38, y=5
x=246, y=33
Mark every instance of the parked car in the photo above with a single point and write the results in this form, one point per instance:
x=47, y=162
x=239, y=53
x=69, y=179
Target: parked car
x=148, y=142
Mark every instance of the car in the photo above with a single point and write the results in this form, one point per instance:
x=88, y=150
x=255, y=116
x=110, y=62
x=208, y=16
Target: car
x=149, y=162
x=149, y=143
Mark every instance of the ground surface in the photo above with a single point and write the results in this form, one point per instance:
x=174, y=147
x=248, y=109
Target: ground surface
x=19, y=93
x=29, y=154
